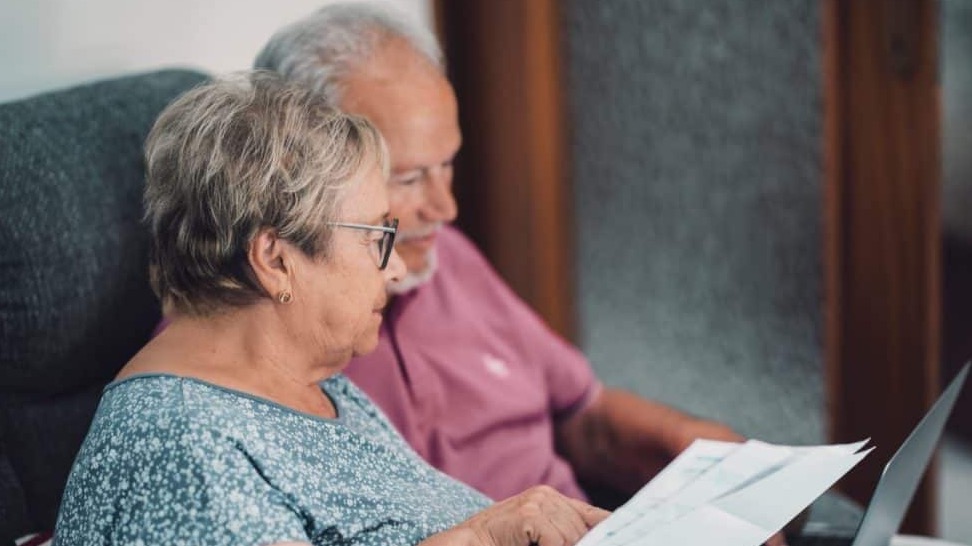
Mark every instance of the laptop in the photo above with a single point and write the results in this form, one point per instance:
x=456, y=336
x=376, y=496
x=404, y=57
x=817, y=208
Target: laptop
x=900, y=478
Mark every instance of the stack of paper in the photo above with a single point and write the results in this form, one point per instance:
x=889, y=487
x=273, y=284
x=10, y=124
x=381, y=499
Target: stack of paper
x=726, y=493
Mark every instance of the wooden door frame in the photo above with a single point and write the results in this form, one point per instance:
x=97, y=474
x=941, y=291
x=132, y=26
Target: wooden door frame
x=882, y=172
x=511, y=177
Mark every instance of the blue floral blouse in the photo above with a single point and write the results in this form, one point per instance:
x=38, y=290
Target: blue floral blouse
x=175, y=460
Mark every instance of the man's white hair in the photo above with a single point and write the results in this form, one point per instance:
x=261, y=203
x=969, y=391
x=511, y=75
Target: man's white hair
x=320, y=50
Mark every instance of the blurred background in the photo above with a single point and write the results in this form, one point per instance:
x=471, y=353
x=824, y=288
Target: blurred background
x=758, y=212
x=46, y=44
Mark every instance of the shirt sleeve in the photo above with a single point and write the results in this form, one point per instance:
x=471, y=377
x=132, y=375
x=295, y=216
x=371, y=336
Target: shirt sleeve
x=570, y=380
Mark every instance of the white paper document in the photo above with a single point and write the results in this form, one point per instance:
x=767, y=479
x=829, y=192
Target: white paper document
x=726, y=493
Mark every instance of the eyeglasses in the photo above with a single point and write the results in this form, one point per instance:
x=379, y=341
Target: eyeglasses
x=387, y=242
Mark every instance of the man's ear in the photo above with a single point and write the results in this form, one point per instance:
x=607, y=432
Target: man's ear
x=270, y=260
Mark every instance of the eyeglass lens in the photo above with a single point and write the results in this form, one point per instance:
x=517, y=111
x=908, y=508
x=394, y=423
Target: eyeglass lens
x=387, y=242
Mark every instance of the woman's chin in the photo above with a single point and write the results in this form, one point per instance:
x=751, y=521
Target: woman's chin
x=365, y=346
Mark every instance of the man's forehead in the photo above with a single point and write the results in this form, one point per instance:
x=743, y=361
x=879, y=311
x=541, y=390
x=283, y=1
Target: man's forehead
x=395, y=58
x=411, y=103
x=395, y=72
x=387, y=93
x=415, y=119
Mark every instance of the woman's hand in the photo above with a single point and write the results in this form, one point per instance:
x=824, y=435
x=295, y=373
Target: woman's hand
x=540, y=515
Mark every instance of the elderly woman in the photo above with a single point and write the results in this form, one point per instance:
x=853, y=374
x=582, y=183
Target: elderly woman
x=272, y=244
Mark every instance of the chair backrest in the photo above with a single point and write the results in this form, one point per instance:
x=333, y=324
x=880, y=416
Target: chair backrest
x=75, y=303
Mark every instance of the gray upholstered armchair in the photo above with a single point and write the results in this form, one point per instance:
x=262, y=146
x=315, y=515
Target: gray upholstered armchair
x=75, y=303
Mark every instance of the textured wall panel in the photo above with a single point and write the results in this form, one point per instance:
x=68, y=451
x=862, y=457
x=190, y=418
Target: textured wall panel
x=956, y=78
x=956, y=52
x=696, y=161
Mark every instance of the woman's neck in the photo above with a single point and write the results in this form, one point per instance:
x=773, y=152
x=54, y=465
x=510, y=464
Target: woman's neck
x=240, y=350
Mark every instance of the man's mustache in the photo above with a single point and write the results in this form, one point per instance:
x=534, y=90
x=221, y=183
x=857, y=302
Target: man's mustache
x=417, y=233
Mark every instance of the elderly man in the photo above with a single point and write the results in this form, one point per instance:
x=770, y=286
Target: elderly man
x=472, y=378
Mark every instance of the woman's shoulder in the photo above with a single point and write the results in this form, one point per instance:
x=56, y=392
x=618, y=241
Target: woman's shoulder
x=194, y=402
x=156, y=422
x=177, y=408
x=142, y=396
x=144, y=406
x=154, y=457
x=154, y=393
x=141, y=426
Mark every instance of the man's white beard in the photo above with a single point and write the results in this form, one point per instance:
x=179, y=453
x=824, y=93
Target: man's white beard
x=410, y=281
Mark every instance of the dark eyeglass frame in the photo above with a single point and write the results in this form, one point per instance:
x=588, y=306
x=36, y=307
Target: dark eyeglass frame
x=385, y=244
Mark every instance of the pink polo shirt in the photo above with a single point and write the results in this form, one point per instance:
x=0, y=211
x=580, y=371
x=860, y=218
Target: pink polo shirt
x=474, y=380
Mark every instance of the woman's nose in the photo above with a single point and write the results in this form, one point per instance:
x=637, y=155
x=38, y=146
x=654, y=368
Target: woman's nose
x=395, y=269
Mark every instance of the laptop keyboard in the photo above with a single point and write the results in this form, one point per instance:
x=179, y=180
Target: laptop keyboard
x=819, y=540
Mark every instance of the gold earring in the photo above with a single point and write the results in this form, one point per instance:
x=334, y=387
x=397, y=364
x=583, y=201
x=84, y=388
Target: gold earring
x=285, y=297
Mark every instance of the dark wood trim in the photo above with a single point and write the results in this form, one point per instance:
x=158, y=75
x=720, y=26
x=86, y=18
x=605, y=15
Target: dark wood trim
x=882, y=235
x=511, y=180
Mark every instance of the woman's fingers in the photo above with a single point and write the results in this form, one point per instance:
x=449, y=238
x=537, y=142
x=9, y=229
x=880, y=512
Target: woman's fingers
x=540, y=516
x=567, y=521
x=561, y=520
x=591, y=515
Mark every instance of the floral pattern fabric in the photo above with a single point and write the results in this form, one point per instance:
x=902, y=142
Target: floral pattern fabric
x=175, y=460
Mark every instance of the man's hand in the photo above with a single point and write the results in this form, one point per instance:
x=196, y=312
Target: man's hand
x=623, y=440
x=677, y=433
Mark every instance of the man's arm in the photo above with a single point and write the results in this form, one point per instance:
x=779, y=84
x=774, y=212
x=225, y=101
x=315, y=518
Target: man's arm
x=622, y=440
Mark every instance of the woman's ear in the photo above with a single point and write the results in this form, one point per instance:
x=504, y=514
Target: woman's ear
x=270, y=260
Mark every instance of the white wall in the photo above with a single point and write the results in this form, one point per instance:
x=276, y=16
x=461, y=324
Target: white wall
x=49, y=44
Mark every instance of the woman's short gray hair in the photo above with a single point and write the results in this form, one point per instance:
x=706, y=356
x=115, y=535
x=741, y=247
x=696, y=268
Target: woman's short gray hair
x=234, y=156
x=320, y=50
